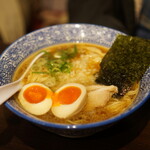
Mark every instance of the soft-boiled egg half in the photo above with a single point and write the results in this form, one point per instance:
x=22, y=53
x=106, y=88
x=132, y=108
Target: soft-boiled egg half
x=36, y=98
x=69, y=100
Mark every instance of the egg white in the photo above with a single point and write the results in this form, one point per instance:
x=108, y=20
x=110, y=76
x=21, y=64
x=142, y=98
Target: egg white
x=68, y=110
x=35, y=108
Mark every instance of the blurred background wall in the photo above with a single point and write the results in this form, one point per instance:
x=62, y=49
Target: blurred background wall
x=18, y=17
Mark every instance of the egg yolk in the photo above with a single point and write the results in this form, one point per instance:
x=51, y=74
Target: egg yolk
x=67, y=95
x=35, y=94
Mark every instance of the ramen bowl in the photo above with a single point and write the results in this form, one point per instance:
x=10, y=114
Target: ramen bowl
x=66, y=33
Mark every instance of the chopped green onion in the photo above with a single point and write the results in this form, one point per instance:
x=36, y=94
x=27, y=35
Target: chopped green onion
x=66, y=54
x=58, y=61
x=58, y=65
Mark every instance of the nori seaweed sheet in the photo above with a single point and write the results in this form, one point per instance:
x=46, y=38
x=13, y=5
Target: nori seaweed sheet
x=125, y=63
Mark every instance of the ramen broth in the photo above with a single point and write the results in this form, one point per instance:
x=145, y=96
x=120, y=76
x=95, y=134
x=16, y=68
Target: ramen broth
x=82, y=69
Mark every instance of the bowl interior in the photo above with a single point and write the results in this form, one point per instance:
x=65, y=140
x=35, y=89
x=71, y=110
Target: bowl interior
x=66, y=33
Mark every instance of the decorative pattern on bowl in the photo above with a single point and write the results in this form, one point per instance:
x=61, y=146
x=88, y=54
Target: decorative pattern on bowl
x=65, y=33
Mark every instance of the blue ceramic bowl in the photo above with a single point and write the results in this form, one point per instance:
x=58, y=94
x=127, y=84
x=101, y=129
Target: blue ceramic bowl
x=34, y=41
